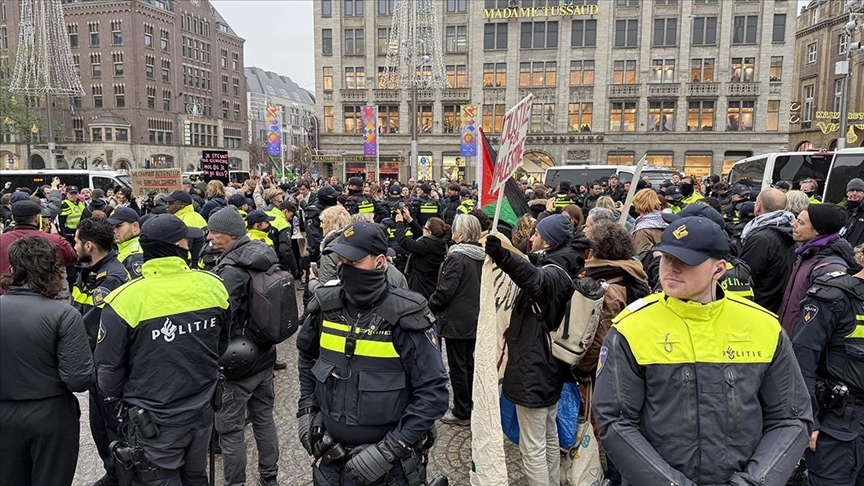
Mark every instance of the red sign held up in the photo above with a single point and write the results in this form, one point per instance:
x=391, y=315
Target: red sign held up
x=512, y=142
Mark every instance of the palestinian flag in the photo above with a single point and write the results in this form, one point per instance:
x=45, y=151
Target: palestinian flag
x=514, y=204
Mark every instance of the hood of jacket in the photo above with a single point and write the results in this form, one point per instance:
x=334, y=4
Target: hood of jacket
x=472, y=250
x=538, y=202
x=255, y=255
x=570, y=257
x=652, y=220
x=597, y=267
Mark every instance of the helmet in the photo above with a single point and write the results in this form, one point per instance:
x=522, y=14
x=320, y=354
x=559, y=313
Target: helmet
x=239, y=357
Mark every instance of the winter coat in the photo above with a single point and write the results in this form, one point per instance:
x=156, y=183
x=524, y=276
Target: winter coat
x=617, y=194
x=44, y=351
x=65, y=252
x=621, y=275
x=533, y=378
x=233, y=268
x=770, y=253
x=212, y=205
x=450, y=206
x=646, y=230
x=455, y=300
x=424, y=264
x=854, y=230
x=817, y=257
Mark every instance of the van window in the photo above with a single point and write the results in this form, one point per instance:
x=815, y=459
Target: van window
x=797, y=168
x=752, y=171
x=103, y=183
x=845, y=168
x=79, y=180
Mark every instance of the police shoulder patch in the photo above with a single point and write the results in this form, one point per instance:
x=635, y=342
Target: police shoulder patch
x=604, y=352
x=99, y=295
x=432, y=336
x=136, y=267
x=101, y=335
x=809, y=311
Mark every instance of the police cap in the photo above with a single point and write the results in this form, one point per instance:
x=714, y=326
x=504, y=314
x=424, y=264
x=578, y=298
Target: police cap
x=258, y=216
x=123, y=215
x=179, y=195
x=168, y=229
x=358, y=240
x=696, y=209
x=25, y=208
x=694, y=240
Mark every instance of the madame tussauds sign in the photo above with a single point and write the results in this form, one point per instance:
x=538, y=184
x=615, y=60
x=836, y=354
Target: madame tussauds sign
x=533, y=12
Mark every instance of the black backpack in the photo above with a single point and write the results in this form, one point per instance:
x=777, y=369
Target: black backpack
x=272, y=305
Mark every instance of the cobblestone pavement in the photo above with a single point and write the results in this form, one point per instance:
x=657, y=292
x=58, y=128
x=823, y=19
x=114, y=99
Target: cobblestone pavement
x=450, y=456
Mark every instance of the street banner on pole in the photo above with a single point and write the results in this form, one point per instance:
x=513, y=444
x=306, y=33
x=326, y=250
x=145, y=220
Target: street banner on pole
x=512, y=142
x=369, y=124
x=468, y=145
x=163, y=181
x=274, y=132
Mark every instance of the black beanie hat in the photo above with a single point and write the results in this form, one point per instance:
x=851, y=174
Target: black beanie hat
x=826, y=218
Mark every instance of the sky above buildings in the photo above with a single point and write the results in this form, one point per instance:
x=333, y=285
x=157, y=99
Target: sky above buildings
x=279, y=35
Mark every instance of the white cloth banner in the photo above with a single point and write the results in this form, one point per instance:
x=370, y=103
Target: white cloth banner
x=497, y=294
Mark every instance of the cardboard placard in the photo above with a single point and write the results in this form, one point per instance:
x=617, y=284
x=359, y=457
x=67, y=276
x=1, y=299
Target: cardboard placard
x=163, y=181
x=214, y=165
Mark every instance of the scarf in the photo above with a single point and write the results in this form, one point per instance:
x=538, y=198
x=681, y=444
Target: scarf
x=474, y=252
x=652, y=220
x=776, y=218
x=819, y=241
x=159, y=249
x=363, y=288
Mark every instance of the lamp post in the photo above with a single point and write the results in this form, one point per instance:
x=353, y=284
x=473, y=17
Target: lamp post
x=845, y=67
x=414, y=132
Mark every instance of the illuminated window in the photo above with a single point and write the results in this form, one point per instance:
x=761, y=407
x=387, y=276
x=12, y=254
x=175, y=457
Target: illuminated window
x=739, y=116
x=623, y=117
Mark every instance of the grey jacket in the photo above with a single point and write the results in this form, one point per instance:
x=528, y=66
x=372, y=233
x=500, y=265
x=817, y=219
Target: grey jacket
x=708, y=394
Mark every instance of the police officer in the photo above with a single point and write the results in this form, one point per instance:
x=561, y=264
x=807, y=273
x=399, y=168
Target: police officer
x=324, y=198
x=563, y=197
x=696, y=385
x=357, y=202
x=159, y=341
x=71, y=213
x=258, y=226
x=375, y=343
x=102, y=272
x=395, y=203
x=424, y=206
x=829, y=344
x=127, y=227
x=466, y=204
x=180, y=205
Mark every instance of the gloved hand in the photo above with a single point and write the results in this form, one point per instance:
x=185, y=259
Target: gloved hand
x=307, y=413
x=373, y=461
x=494, y=248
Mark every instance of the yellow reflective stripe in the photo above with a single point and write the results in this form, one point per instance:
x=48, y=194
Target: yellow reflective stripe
x=337, y=326
x=80, y=297
x=859, y=318
x=858, y=332
x=428, y=209
x=370, y=349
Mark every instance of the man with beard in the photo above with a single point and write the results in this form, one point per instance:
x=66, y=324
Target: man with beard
x=614, y=190
x=854, y=229
x=102, y=272
x=451, y=202
x=768, y=247
x=126, y=230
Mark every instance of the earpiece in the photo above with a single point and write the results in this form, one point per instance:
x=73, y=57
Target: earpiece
x=718, y=271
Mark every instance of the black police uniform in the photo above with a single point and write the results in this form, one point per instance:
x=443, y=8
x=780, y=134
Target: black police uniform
x=359, y=203
x=426, y=208
x=562, y=200
x=829, y=345
x=393, y=205
x=388, y=381
x=158, y=348
x=88, y=298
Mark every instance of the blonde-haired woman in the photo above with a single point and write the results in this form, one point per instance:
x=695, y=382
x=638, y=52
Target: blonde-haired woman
x=649, y=225
x=333, y=220
x=215, y=198
x=796, y=201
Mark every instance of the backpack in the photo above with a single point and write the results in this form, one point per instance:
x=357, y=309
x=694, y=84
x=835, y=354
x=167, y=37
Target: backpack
x=574, y=335
x=272, y=316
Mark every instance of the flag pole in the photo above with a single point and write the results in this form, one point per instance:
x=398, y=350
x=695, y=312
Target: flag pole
x=377, y=149
x=637, y=173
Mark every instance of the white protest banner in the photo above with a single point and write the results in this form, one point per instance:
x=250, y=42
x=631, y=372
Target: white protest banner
x=510, y=152
x=163, y=181
x=512, y=142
